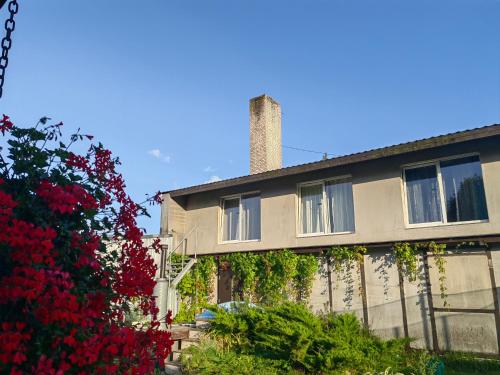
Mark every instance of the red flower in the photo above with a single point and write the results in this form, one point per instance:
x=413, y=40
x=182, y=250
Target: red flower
x=5, y=124
x=67, y=290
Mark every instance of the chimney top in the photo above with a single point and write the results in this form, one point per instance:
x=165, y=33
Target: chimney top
x=265, y=134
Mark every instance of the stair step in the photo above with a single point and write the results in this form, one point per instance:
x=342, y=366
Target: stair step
x=173, y=369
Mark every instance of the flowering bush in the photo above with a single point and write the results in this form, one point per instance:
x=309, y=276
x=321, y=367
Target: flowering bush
x=63, y=296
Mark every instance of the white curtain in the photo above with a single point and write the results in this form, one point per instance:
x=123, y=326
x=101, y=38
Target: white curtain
x=231, y=219
x=250, y=217
x=340, y=206
x=311, y=208
x=422, y=190
x=464, y=189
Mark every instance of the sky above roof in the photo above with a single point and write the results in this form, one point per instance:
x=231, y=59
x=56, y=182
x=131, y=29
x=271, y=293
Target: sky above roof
x=165, y=84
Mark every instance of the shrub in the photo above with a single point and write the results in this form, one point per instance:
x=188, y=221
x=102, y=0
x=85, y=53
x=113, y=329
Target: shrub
x=209, y=359
x=63, y=295
x=291, y=333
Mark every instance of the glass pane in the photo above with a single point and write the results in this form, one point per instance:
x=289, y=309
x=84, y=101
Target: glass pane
x=422, y=194
x=311, y=208
x=463, y=189
x=340, y=206
x=250, y=217
x=231, y=219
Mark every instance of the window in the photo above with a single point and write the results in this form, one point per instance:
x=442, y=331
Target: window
x=446, y=191
x=326, y=207
x=241, y=218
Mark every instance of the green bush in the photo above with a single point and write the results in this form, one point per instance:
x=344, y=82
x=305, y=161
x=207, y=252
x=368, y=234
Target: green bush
x=291, y=334
x=209, y=359
x=467, y=363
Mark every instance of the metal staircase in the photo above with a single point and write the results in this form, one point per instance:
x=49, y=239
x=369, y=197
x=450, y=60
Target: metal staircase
x=171, y=274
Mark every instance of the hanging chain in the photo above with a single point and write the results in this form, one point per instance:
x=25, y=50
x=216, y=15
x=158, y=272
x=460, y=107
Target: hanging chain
x=10, y=26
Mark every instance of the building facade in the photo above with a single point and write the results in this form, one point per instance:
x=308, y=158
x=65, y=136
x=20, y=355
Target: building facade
x=444, y=189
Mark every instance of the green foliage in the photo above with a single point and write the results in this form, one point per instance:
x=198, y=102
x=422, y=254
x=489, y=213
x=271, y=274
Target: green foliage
x=344, y=260
x=307, y=266
x=276, y=270
x=344, y=256
x=290, y=333
x=272, y=277
x=209, y=359
x=244, y=269
x=195, y=287
x=438, y=250
x=467, y=363
x=406, y=258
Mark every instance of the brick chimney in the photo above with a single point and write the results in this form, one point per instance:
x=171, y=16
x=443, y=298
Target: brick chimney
x=265, y=134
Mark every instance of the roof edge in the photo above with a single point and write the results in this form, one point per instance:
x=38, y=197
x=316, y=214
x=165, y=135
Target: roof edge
x=377, y=153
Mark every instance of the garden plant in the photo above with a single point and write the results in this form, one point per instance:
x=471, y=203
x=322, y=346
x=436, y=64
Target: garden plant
x=63, y=294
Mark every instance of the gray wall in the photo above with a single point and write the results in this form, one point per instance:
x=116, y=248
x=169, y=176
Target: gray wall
x=378, y=204
x=469, y=287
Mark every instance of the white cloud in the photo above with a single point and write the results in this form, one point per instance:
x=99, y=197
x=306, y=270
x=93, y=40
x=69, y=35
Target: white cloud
x=155, y=152
x=213, y=179
x=208, y=169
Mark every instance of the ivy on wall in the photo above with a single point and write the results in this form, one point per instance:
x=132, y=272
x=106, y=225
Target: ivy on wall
x=272, y=276
x=195, y=287
x=264, y=278
x=344, y=260
x=407, y=260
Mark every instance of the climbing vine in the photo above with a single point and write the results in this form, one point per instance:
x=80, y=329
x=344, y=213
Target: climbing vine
x=307, y=266
x=343, y=259
x=344, y=256
x=272, y=276
x=244, y=270
x=195, y=287
x=276, y=270
x=407, y=259
x=438, y=250
x=265, y=278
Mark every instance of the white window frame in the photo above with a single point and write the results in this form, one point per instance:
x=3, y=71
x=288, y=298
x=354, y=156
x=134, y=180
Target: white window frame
x=221, y=216
x=324, y=203
x=442, y=200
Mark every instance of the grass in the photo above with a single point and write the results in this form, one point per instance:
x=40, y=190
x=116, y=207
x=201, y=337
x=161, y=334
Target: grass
x=467, y=363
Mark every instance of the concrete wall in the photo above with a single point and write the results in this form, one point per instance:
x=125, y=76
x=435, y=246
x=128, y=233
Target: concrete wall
x=378, y=205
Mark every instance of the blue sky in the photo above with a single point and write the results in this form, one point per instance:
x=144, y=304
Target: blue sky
x=166, y=84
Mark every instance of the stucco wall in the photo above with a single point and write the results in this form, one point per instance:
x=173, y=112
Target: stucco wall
x=378, y=205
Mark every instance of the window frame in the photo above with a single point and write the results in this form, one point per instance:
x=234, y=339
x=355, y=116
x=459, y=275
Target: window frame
x=442, y=201
x=221, y=217
x=324, y=203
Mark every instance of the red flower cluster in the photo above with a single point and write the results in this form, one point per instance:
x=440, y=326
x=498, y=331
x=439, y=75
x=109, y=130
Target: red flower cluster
x=63, y=296
x=5, y=124
x=66, y=199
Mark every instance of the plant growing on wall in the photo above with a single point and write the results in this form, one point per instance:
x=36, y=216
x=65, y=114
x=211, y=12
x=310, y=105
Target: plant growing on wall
x=439, y=250
x=344, y=259
x=341, y=257
x=275, y=272
x=266, y=278
x=407, y=259
x=244, y=270
x=195, y=287
x=307, y=267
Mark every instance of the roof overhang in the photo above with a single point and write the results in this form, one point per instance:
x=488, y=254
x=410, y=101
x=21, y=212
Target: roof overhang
x=379, y=153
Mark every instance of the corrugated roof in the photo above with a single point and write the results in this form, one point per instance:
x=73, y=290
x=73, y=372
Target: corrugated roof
x=402, y=148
